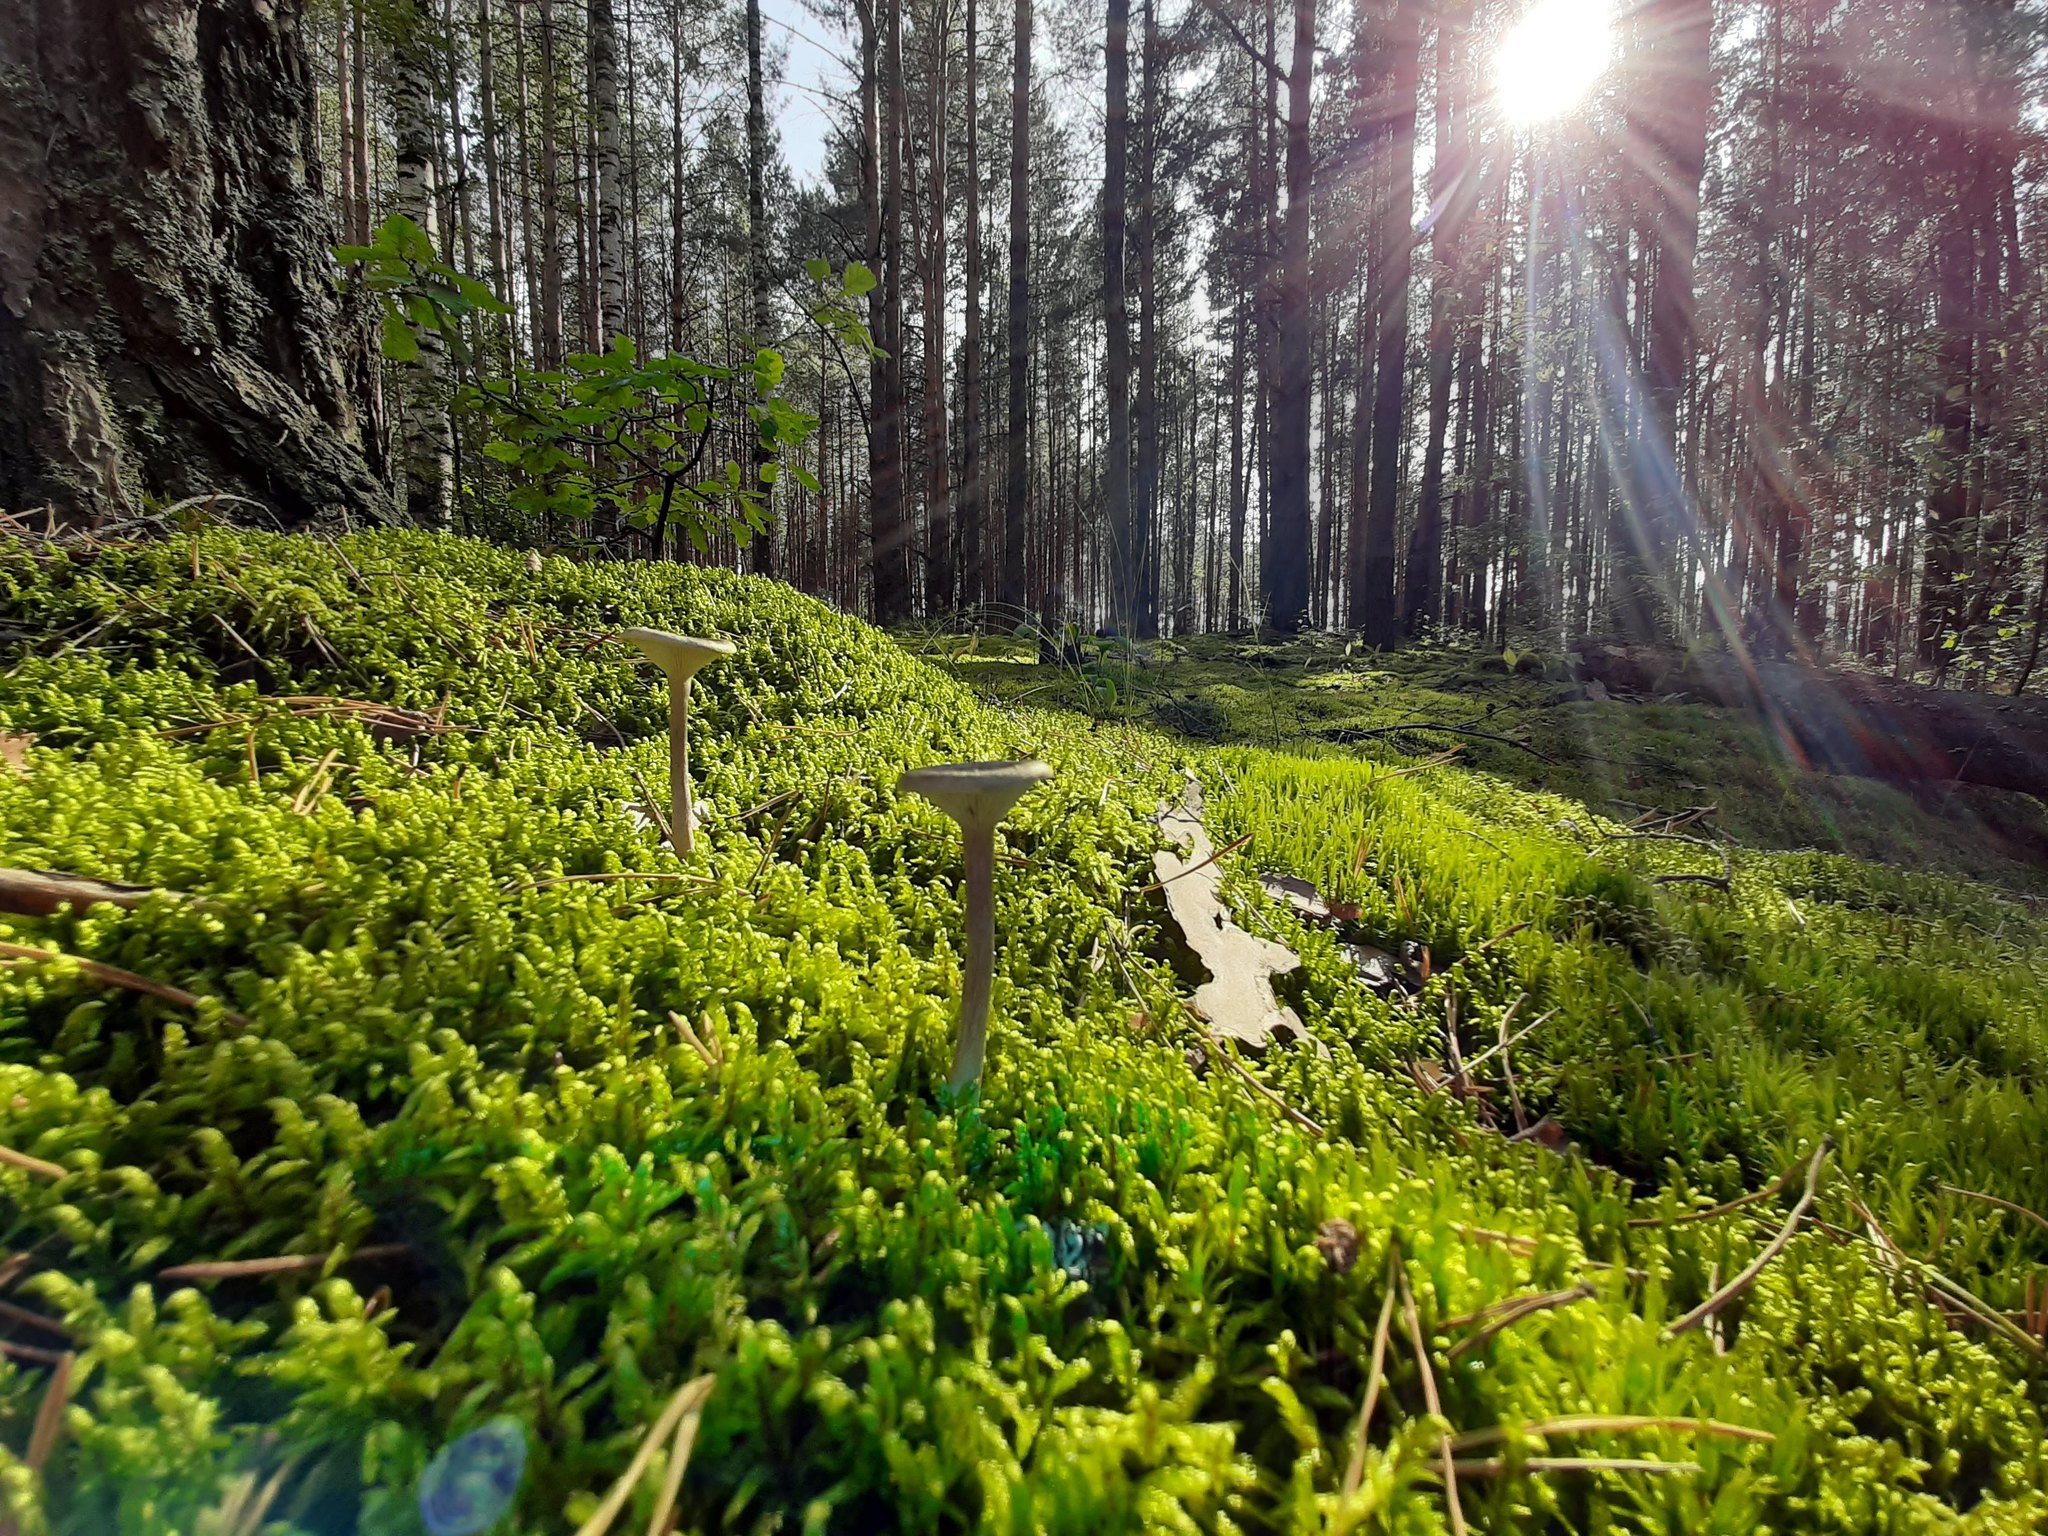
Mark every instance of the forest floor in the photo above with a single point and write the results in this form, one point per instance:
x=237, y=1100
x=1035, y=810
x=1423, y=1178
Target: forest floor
x=428, y=1138
x=1635, y=759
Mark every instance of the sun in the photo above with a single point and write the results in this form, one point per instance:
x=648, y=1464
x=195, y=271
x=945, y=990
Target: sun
x=1551, y=59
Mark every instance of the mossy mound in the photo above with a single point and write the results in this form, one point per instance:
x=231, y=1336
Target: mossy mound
x=559, y=1123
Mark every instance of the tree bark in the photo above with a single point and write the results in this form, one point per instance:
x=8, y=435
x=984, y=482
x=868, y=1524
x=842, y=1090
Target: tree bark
x=889, y=520
x=168, y=325
x=427, y=447
x=1291, y=534
x=973, y=577
x=550, y=324
x=1016, y=509
x=1116, y=489
x=761, y=549
x=1145, y=490
x=607, y=206
x=1373, y=613
x=939, y=592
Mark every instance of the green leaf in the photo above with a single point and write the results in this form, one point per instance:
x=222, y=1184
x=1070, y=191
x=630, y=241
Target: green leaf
x=860, y=279
x=397, y=340
x=817, y=269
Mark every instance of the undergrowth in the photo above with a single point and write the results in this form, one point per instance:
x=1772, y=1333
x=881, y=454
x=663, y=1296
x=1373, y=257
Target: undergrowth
x=430, y=966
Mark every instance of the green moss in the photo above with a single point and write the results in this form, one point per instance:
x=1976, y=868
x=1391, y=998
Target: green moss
x=420, y=1022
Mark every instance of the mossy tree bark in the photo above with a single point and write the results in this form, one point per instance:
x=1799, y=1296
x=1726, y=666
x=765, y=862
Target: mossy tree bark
x=169, y=326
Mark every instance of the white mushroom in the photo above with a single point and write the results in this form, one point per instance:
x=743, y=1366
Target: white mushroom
x=978, y=796
x=679, y=656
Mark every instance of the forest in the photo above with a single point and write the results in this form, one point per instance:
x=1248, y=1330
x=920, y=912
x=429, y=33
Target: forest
x=1220, y=767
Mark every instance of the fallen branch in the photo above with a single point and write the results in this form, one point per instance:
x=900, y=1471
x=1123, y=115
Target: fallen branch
x=46, y=892
x=286, y=1264
x=112, y=976
x=1442, y=729
x=29, y=1353
x=1771, y=1250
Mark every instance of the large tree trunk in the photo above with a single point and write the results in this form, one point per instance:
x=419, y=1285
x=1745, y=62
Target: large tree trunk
x=168, y=322
x=1116, y=490
x=1016, y=511
x=1291, y=533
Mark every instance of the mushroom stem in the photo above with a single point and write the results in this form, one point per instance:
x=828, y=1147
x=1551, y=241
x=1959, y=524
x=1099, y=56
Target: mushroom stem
x=682, y=812
x=972, y=1047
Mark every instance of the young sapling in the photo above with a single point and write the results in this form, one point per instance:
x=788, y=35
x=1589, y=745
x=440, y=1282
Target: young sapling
x=680, y=656
x=978, y=796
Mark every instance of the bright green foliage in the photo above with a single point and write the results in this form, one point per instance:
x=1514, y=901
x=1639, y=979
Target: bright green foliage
x=416, y=1026
x=418, y=294
x=612, y=431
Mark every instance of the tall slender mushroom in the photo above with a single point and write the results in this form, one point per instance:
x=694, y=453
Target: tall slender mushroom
x=679, y=656
x=978, y=796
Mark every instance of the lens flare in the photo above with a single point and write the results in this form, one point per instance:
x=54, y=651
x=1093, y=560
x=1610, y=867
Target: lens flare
x=1552, y=58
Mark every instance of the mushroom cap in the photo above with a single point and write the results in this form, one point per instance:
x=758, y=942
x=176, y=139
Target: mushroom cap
x=677, y=655
x=976, y=794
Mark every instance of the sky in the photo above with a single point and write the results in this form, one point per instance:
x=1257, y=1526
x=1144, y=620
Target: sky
x=807, y=47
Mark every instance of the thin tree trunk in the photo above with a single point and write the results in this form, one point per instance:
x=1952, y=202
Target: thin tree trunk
x=1016, y=510
x=607, y=209
x=1116, y=489
x=1145, y=492
x=972, y=483
x=1373, y=612
x=761, y=548
x=427, y=450
x=1291, y=532
x=939, y=590
x=550, y=325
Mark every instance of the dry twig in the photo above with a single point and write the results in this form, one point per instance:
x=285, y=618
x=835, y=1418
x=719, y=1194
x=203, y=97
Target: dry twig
x=1771, y=1250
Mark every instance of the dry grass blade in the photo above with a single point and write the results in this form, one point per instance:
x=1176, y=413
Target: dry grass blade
x=623, y=874
x=1429, y=1397
x=1513, y=1312
x=9, y=1158
x=1226, y=1048
x=1771, y=1250
x=284, y=1264
x=1354, y=1468
x=689, y=1396
x=1607, y=1424
x=2004, y=1205
x=1160, y=885
x=1517, y=1038
x=29, y=1352
x=49, y=1424
x=10, y=1313
x=112, y=976
x=1498, y=1466
x=663, y=1517
x=651, y=803
x=1724, y=1208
